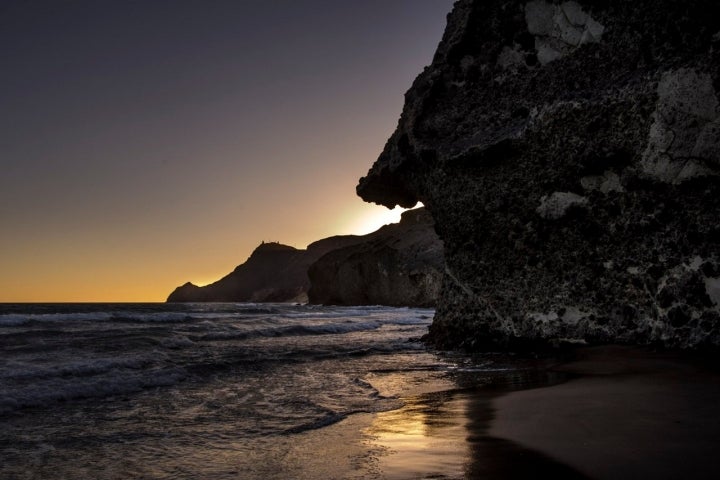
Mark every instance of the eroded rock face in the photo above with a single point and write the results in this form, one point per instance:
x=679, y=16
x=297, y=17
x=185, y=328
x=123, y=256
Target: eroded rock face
x=569, y=153
x=400, y=265
x=273, y=273
x=684, y=137
x=560, y=28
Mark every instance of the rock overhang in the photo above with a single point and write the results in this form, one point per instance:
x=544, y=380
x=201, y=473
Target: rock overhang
x=604, y=152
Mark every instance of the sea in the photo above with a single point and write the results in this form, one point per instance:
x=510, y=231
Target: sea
x=214, y=390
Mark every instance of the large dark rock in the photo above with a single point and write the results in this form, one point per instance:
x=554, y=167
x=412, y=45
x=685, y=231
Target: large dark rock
x=400, y=264
x=569, y=154
x=273, y=273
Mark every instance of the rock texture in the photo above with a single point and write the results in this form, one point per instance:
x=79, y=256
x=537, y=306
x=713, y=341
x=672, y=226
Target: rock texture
x=273, y=273
x=400, y=264
x=569, y=153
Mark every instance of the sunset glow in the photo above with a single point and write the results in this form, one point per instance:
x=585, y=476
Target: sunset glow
x=139, y=155
x=372, y=220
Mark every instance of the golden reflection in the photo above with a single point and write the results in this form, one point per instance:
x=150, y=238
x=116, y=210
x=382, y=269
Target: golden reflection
x=408, y=421
x=424, y=438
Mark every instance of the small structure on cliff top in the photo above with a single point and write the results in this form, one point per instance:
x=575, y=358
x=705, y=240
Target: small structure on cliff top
x=399, y=264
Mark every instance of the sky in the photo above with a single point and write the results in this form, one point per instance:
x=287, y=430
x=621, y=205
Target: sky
x=146, y=143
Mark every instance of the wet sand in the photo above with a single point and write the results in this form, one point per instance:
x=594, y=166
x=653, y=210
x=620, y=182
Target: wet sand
x=629, y=414
x=612, y=413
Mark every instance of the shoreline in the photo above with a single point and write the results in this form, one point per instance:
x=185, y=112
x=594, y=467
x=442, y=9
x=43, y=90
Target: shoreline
x=628, y=413
x=609, y=412
x=593, y=412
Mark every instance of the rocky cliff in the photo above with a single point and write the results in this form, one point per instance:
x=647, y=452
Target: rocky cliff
x=400, y=264
x=569, y=153
x=273, y=273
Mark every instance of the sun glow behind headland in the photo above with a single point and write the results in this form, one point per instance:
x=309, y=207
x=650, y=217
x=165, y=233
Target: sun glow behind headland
x=169, y=153
x=380, y=216
x=368, y=219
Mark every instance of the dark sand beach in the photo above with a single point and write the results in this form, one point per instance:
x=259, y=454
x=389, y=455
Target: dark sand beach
x=229, y=392
x=629, y=414
x=611, y=412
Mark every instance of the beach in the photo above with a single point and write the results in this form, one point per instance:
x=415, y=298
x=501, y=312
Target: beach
x=607, y=413
x=631, y=413
x=243, y=391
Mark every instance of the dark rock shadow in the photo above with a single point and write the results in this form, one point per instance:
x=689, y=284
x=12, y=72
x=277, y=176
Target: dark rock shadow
x=497, y=458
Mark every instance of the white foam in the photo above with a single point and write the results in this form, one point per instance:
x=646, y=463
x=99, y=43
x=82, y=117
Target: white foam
x=47, y=392
x=16, y=319
x=177, y=342
x=71, y=356
x=20, y=370
x=338, y=328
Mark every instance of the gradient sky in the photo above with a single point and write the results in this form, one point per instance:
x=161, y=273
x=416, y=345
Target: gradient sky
x=146, y=143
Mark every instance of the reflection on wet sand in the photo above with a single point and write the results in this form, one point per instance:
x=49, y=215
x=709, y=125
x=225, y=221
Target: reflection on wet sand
x=444, y=435
x=423, y=439
x=612, y=412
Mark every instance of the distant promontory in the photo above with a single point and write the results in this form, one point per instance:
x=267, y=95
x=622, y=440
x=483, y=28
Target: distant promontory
x=399, y=264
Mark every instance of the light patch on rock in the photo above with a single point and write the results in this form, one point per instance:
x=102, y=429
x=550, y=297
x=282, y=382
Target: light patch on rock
x=712, y=287
x=381, y=268
x=605, y=183
x=548, y=49
x=543, y=317
x=560, y=29
x=707, y=145
x=539, y=115
x=555, y=206
x=574, y=14
x=545, y=324
x=573, y=315
x=572, y=341
x=467, y=62
x=510, y=58
x=684, y=139
x=695, y=263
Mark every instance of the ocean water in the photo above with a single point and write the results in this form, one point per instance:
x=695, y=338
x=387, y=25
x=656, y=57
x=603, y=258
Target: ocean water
x=204, y=390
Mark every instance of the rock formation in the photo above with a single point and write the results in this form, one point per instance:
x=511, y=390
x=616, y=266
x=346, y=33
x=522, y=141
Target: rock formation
x=273, y=273
x=400, y=264
x=569, y=153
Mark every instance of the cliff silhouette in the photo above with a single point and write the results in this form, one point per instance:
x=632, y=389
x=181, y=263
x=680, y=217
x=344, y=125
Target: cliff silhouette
x=399, y=264
x=569, y=153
